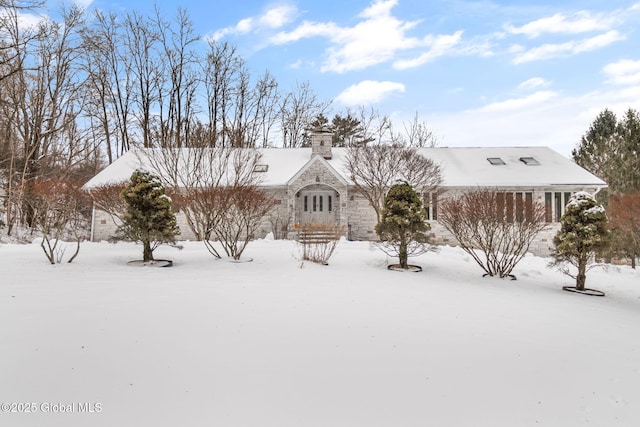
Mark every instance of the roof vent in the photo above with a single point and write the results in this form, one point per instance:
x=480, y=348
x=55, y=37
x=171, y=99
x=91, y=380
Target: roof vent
x=496, y=161
x=529, y=161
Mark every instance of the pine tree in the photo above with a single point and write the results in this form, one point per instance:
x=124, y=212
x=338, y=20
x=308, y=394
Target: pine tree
x=403, y=225
x=582, y=234
x=610, y=149
x=148, y=218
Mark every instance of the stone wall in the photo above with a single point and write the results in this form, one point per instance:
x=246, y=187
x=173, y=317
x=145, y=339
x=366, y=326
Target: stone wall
x=104, y=226
x=277, y=222
x=361, y=217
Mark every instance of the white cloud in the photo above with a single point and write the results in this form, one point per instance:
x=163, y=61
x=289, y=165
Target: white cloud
x=273, y=18
x=374, y=40
x=555, y=121
x=514, y=104
x=548, y=51
x=305, y=30
x=533, y=83
x=377, y=38
x=623, y=72
x=278, y=16
x=438, y=46
x=581, y=22
x=83, y=3
x=368, y=92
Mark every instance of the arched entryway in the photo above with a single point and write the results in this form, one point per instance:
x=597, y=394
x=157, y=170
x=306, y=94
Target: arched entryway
x=318, y=204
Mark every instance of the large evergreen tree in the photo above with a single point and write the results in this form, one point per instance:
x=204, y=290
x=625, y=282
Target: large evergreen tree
x=402, y=227
x=148, y=218
x=610, y=149
x=583, y=233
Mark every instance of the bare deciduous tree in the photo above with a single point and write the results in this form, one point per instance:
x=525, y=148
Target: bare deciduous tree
x=419, y=134
x=376, y=128
x=495, y=238
x=42, y=99
x=374, y=169
x=221, y=67
x=109, y=83
x=140, y=43
x=177, y=83
x=298, y=110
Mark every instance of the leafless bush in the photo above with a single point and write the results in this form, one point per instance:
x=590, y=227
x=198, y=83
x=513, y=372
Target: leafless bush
x=318, y=241
x=203, y=210
x=279, y=225
x=107, y=198
x=241, y=211
x=60, y=207
x=227, y=215
x=481, y=221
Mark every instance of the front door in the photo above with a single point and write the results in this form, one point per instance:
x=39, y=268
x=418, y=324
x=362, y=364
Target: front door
x=317, y=206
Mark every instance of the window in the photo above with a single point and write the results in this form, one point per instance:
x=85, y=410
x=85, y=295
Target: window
x=330, y=203
x=515, y=206
x=509, y=199
x=431, y=205
x=261, y=168
x=554, y=204
x=558, y=200
x=320, y=200
x=306, y=203
x=496, y=161
x=315, y=206
x=547, y=207
x=529, y=161
x=519, y=208
x=500, y=204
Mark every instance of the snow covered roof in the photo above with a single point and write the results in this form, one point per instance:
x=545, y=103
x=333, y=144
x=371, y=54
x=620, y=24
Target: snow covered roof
x=523, y=167
x=461, y=167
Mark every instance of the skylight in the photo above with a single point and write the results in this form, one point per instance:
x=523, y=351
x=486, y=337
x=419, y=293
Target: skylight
x=261, y=168
x=496, y=161
x=529, y=161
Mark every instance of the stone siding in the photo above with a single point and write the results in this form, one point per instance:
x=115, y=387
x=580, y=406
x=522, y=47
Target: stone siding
x=278, y=220
x=317, y=174
x=361, y=217
x=104, y=226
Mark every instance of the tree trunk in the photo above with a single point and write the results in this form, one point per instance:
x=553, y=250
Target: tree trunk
x=402, y=255
x=147, y=254
x=581, y=278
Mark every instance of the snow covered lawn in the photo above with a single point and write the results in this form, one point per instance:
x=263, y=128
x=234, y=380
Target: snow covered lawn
x=275, y=342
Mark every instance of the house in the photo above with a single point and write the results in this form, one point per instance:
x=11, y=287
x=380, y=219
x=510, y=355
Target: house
x=313, y=185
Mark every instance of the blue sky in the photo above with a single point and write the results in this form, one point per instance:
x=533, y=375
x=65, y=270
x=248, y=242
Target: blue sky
x=480, y=73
